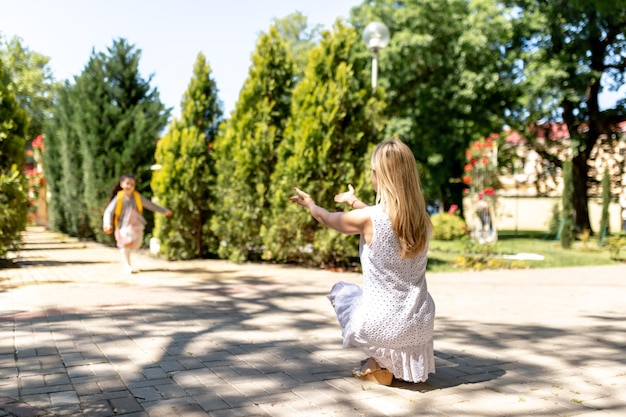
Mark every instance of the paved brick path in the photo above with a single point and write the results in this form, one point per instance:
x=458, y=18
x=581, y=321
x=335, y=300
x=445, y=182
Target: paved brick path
x=211, y=338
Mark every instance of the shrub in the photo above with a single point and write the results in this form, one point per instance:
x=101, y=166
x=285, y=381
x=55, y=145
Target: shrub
x=479, y=263
x=448, y=227
x=13, y=209
x=555, y=220
x=615, y=244
x=479, y=256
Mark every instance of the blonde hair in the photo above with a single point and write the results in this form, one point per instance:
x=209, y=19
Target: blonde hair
x=400, y=193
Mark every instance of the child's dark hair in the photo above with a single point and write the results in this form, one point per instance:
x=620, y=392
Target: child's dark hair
x=118, y=185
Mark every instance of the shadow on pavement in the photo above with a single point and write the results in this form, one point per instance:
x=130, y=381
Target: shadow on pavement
x=231, y=341
x=48, y=262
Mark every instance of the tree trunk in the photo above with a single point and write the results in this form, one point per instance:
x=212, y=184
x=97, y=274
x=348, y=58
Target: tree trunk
x=199, y=236
x=580, y=200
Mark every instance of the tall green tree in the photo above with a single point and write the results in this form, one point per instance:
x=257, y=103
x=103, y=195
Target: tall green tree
x=447, y=80
x=67, y=211
x=568, y=53
x=13, y=200
x=325, y=147
x=13, y=125
x=245, y=152
x=186, y=177
x=109, y=126
x=295, y=31
x=118, y=126
x=32, y=82
x=29, y=78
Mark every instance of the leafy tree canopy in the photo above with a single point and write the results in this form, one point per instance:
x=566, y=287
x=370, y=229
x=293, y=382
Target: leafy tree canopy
x=31, y=82
x=447, y=80
x=299, y=38
x=567, y=53
x=13, y=201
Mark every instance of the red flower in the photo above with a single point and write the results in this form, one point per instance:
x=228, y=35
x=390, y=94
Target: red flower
x=467, y=180
x=38, y=142
x=468, y=167
x=489, y=191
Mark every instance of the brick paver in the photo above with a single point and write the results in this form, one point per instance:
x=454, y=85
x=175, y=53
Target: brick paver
x=213, y=338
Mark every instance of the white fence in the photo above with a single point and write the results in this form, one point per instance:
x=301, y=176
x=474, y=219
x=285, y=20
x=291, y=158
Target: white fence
x=535, y=213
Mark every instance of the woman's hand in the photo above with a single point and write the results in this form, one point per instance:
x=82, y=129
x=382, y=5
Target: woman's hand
x=353, y=222
x=107, y=229
x=302, y=199
x=348, y=197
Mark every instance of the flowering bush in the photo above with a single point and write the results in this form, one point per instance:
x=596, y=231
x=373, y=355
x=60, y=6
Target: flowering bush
x=34, y=174
x=481, y=170
x=481, y=177
x=447, y=226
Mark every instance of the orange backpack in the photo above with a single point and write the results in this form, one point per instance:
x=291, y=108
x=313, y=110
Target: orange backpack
x=120, y=200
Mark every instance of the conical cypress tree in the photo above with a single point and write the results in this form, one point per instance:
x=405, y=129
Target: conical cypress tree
x=326, y=146
x=63, y=161
x=246, y=149
x=184, y=181
x=118, y=123
x=567, y=232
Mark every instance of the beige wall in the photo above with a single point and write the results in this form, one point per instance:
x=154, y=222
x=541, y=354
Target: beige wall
x=534, y=213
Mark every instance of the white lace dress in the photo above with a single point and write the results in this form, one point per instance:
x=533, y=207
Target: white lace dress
x=392, y=318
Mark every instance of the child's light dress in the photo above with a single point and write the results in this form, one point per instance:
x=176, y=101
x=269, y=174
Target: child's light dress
x=131, y=224
x=130, y=231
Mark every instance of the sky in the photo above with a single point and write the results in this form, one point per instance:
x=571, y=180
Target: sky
x=170, y=34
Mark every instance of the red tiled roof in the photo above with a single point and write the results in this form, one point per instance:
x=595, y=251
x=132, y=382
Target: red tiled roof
x=555, y=131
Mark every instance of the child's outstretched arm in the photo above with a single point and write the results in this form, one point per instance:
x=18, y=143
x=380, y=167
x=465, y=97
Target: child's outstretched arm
x=148, y=204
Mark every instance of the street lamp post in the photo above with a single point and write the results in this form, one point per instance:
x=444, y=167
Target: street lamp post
x=376, y=37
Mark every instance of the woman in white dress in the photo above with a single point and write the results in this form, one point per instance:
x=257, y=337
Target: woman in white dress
x=392, y=318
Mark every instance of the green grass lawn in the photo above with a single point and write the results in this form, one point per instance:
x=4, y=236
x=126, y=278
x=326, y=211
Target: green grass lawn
x=444, y=255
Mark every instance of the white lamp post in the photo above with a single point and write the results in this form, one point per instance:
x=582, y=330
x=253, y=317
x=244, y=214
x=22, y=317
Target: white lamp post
x=376, y=37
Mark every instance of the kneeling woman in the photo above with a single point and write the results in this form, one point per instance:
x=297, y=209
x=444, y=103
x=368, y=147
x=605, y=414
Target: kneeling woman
x=391, y=319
